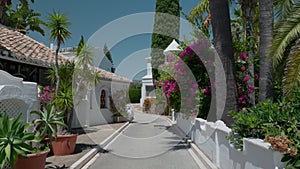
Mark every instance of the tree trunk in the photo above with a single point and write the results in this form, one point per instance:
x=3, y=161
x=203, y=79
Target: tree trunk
x=56, y=69
x=223, y=44
x=266, y=21
x=248, y=8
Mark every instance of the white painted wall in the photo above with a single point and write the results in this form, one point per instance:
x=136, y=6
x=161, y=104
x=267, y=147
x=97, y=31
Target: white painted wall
x=210, y=137
x=17, y=97
x=88, y=112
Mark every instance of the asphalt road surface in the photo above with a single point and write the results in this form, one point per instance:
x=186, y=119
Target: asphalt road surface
x=148, y=143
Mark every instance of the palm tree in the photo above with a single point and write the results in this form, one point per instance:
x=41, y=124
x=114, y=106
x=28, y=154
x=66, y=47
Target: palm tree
x=200, y=16
x=64, y=97
x=85, y=75
x=58, y=25
x=285, y=48
x=266, y=22
x=223, y=44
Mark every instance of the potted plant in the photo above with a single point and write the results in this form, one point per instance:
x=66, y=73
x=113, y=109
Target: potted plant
x=16, y=145
x=48, y=123
x=66, y=141
x=120, y=114
x=63, y=102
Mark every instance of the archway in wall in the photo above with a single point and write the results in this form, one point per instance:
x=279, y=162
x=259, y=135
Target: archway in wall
x=103, y=99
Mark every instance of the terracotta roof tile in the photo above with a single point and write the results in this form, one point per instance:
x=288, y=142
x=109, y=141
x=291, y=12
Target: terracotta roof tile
x=28, y=50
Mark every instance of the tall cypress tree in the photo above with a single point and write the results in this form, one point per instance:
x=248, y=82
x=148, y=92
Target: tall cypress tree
x=109, y=57
x=164, y=25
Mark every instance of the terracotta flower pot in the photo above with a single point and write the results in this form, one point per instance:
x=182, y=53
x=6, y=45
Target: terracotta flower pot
x=64, y=145
x=33, y=161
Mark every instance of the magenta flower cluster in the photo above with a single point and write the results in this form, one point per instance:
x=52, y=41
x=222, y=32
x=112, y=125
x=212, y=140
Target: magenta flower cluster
x=243, y=88
x=190, y=90
x=46, y=94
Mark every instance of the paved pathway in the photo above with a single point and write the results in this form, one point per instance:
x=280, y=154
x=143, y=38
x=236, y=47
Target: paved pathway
x=87, y=139
x=148, y=143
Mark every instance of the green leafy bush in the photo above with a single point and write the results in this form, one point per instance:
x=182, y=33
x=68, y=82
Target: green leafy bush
x=134, y=95
x=270, y=119
x=14, y=139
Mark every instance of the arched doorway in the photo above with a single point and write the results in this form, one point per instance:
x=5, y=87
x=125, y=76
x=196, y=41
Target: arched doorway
x=103, y=99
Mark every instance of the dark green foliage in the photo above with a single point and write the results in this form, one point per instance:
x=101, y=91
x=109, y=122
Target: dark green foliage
x=13, y=139
x=22, y=18
x=134, y=95
x=164, y=31
x=64, y=98
x=108, y=55
x=80, y=45
x=270, y=118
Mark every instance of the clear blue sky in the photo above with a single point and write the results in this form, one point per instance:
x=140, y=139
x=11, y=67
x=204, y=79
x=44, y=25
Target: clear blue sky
x=89, y=16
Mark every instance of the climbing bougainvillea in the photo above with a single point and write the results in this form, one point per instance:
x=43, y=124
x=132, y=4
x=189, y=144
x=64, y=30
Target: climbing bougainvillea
x=185, y=81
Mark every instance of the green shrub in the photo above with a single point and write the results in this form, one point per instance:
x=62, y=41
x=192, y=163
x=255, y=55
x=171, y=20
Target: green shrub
x=271, y=120
x=134, y=95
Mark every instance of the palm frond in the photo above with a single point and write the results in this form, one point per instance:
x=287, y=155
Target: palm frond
x=286, y=32
x=199, y=10
x=85, y=56
x=283, y=8
x=292, y=72
x=58, y=24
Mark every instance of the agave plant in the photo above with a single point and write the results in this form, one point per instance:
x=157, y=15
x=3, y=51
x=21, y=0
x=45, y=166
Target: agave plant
x=48, y=122
x=14, y=139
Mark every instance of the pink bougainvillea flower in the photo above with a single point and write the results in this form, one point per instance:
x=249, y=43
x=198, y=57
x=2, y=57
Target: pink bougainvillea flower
x=206, y=91
x=189, y=101
x=240, y=91
x=171, y=59
x=196, y=47
x=243, y=68
x=251, y=89
x=256, y=76
x=189, y=50
x=183, y=54
x=192, y=90
x=244, y=56
x=196, y=85
x=241, y=99
x=172, y=87
x=246, y=78
x=193, y=114
x=177, y=65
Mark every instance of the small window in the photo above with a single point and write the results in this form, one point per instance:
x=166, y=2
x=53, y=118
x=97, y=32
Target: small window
x=103, y=99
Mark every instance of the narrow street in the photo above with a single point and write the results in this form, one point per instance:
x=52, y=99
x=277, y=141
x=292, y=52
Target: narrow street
x=148, y=143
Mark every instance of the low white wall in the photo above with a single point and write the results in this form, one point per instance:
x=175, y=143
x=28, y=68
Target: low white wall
x=17, y=97
x=211, y=139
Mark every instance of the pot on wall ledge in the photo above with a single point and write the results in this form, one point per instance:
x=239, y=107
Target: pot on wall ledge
x=64, y=145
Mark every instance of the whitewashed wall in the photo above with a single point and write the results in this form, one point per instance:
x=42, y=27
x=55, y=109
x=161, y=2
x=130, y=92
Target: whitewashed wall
x=211, y=139
x=17, y=97
x=89, y=113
